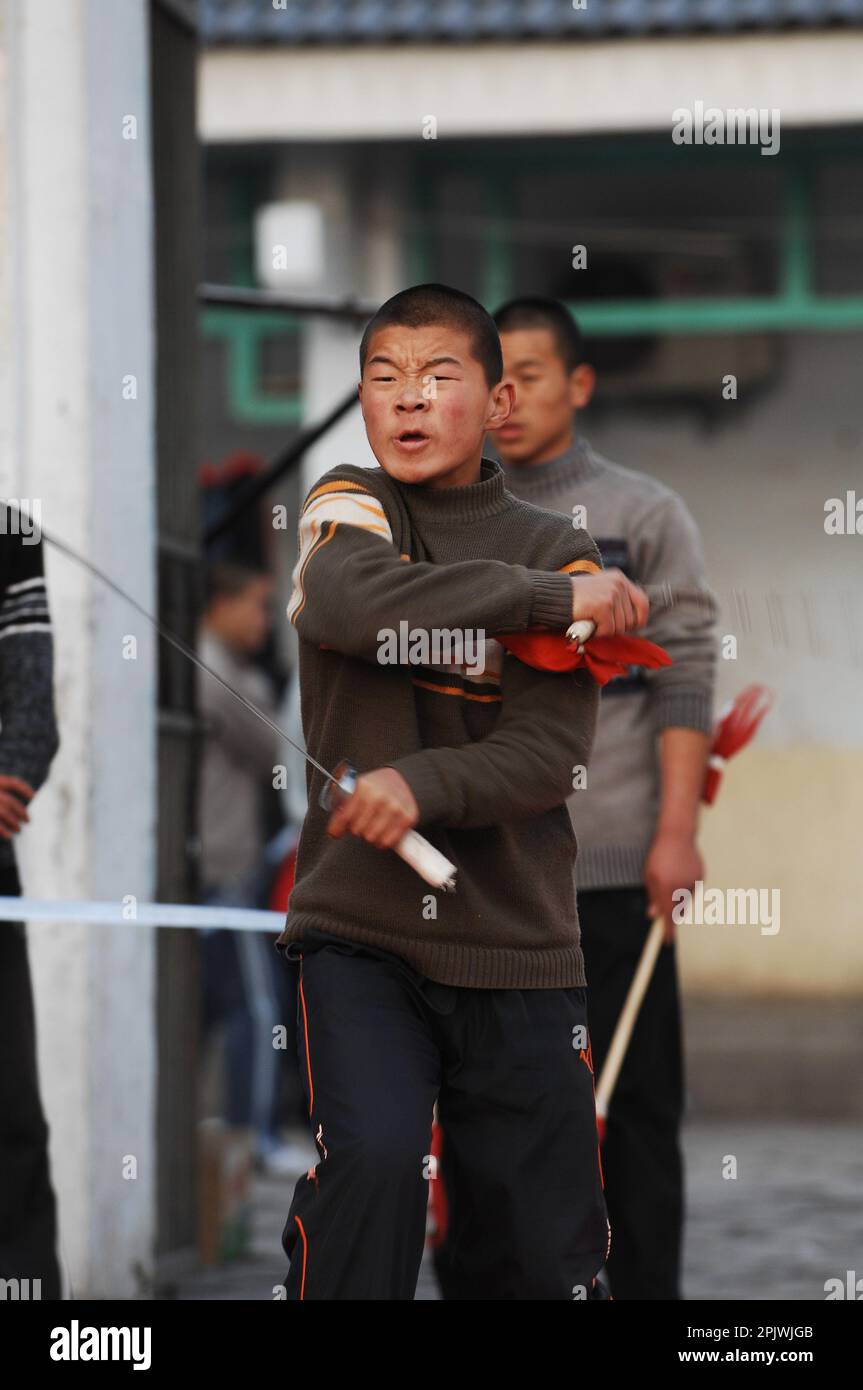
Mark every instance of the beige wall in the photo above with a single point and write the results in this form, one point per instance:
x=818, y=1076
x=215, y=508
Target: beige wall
x=790, y=819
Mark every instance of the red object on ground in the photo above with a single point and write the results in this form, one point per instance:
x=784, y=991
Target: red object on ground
x=604, y=657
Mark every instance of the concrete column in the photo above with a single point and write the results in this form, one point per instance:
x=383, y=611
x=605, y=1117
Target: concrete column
x=76, y=309
x=352, y=262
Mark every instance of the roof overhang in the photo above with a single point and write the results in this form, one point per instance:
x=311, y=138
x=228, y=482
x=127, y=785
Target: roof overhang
x=386, y=92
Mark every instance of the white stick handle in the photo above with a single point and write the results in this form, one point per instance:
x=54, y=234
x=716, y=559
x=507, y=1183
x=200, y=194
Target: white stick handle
x=427, y=861
x=421, y=856
x=629, y=1013
x=581, y=631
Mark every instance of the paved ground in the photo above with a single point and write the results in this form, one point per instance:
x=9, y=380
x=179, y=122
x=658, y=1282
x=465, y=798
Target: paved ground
x=791, y=1219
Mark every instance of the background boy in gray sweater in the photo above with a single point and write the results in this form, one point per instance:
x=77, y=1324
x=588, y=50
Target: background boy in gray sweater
x=636, y=818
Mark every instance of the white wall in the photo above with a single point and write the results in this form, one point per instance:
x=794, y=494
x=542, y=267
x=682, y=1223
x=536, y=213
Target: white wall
x=77, y=298
x=757, y=489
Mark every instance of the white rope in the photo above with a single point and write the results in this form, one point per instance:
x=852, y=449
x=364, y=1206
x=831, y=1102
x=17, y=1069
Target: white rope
x=118, y=914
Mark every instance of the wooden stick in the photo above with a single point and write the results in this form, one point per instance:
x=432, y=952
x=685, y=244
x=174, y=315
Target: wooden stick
x=626, y=1022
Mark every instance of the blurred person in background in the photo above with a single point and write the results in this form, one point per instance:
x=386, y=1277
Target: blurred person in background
x=243, y=984
x=636, y=820
x=28, y=742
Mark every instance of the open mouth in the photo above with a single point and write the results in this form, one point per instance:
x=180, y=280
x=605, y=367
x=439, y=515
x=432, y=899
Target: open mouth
x=411, y=439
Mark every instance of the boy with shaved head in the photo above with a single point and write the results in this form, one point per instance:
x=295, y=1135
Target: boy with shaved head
x=474, y=999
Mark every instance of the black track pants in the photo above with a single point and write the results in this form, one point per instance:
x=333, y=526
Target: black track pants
x=641, y=1154
x=511, y=1073
x=641, y=1158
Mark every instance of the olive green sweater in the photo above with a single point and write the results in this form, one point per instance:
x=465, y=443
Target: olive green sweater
x=487, y=744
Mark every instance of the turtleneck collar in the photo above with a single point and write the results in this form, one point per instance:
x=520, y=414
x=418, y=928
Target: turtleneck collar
x=455, y=506
x=573, y=466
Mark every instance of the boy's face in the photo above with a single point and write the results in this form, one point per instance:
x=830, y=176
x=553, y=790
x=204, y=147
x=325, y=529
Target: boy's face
x=540, y=426
x=427, y=405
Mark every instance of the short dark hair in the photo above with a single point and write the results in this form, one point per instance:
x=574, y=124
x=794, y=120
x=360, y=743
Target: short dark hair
x=538, y=312
x=228, y=580
x=424, y=305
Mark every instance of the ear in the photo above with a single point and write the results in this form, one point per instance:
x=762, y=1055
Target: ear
x=582, y=381
x=501, y=402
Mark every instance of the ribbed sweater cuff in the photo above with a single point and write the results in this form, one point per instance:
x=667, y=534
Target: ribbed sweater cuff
x=425, y=783
x=552, y=601
x=683, y=709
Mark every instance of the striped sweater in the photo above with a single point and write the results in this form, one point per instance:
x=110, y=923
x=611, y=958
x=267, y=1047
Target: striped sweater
x=28, y=731
x=390, y=577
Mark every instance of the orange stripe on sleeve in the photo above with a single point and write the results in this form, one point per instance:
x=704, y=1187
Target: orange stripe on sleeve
x=319, y=544
x=317, y=503
x=582, y=567
x=336, y=487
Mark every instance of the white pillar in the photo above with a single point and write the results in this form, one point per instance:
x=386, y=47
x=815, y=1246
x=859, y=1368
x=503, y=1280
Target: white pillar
x=76, y=307
x=329, y=346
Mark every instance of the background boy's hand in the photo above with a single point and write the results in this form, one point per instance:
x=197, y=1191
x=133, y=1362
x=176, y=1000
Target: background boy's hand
x=610, y=600
x=674, y=862
x=14, y=795
x=380, y=811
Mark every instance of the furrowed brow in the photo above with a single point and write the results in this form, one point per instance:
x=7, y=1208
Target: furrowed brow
x=379, y=360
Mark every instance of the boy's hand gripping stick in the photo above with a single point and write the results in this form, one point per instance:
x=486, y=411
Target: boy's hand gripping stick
x=422, y=857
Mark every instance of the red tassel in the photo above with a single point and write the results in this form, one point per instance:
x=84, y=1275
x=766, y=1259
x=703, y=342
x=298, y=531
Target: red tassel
x=604, y=657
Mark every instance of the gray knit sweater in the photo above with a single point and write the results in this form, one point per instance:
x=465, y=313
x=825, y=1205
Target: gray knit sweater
x=644, y=529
